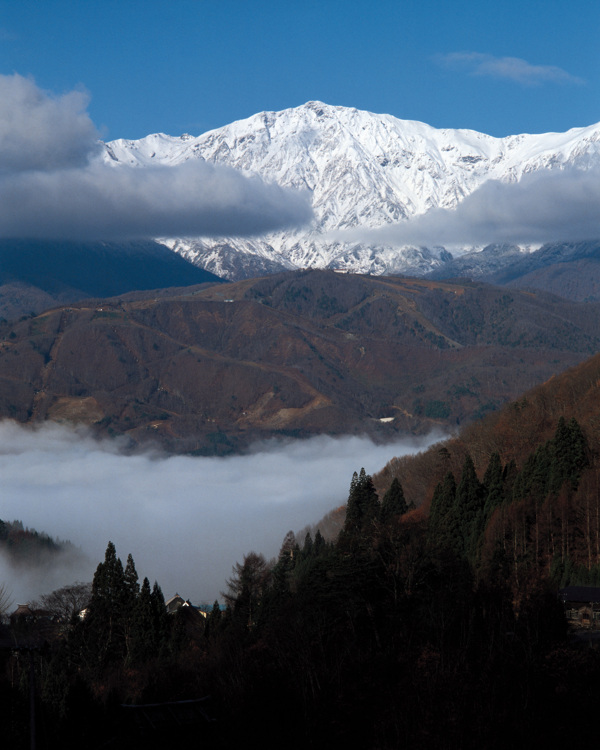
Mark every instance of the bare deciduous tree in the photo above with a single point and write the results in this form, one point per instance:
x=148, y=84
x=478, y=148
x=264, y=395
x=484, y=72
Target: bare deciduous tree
x=66, y=601
x=5, y=600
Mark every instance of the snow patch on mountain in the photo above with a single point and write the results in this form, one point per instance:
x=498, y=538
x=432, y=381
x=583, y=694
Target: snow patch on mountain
x=362, y=169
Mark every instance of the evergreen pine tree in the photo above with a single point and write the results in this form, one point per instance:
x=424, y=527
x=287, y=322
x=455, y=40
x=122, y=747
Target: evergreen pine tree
x=393, y=503
x=579, y=451
x=362, y=508
x=285, y=563
x=569, y=451
x=320, y=544
x=214, y=618
x=441, y=514
x=307, y=547
x=108, y=611
x=143, y=637
x=468, y=510
x=247, y=587
x=213, y=621
x=160, y=617
x=493, y=484
x=524, y=479
x=131, y=578
x=130, y=594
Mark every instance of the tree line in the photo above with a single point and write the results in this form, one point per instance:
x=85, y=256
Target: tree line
x=441, y=630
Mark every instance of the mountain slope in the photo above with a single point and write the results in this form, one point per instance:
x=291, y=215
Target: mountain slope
x=299, y=353
x=571, y=270
x=35, y=274
x=362, y=169
x=538, y=526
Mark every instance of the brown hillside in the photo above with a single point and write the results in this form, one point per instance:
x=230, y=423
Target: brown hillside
x=295, y=354
x=515, y=431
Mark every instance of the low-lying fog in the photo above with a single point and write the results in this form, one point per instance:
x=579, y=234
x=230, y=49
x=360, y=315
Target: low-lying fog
x=185, y=520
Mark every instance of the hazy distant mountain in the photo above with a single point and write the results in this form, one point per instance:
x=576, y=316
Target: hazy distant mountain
x=362, y=169
x=35, y=274
x=292, y=354
x=571, y=270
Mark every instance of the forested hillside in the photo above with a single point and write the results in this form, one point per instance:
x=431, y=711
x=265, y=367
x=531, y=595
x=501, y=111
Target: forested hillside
x=36, y=275
x=28, y=547
x=213, y=370
x=432, y=620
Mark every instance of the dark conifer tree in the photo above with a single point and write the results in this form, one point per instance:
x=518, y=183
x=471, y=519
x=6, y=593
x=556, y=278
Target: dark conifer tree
x=160, y=621
x=108, y=611
x=441, y=514
x=246, y=588
x=468, y=510
x=307, y=547
x=524, y=479
x=579, y=451
x=213, y=623
x=320, y=544
x=493, y=484
x=214, y=618
x=131, y=578
x=539, y=481
x=393, y=504
x=131, y=593
x=509, y=474
x=288, y=555
x=362, y=509
x=561, y=450
x=143, y=637
x=569, y=451
x=289, y=545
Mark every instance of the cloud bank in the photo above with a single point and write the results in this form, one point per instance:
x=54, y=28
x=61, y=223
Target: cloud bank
x=100, y=202
x=53, y=184
x=545, y=206
x=185, y=520
x=510, y=68
x=41, y=132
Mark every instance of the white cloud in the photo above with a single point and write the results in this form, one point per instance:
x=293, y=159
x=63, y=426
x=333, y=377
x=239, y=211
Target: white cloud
x=41, y=131
x=53, y=186
x=545, y=206
x=185, y=520
x=511, y=68
x=100, y=202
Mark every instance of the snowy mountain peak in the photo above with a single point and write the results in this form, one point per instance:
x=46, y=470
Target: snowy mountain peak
x=363, y=169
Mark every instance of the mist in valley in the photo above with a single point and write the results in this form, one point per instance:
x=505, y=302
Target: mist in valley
x=186, y=520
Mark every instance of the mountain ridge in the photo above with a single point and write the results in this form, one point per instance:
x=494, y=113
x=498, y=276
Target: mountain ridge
x=362, y=169
x=214, y=369
x=36, y=275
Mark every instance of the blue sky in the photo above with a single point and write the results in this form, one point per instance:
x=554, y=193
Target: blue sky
x=500, y=67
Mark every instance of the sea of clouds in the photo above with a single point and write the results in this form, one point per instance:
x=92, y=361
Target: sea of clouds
x=186, y=520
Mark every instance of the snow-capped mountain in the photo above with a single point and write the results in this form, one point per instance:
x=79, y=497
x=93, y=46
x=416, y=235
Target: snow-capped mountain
x=362, y=169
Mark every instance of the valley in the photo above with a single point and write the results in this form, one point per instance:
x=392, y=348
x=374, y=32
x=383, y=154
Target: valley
x=299, y=375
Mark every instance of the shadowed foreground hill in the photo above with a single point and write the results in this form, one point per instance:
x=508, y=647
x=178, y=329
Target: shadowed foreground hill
x=514, y=431
x=411, y=629
x=296, y=354
x=36, y=274
x=436, y=627
x=533, y=509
